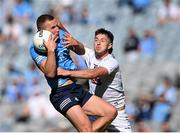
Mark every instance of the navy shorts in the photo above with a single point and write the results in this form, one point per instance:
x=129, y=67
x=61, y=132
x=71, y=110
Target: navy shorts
x=66, y=97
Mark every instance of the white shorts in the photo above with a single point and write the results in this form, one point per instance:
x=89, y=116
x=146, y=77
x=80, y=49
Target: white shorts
x=120, y=123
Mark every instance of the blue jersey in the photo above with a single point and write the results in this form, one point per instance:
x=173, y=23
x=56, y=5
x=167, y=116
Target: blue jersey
x=63, y=60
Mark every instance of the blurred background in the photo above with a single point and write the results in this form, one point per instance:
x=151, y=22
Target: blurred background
x=146, y=44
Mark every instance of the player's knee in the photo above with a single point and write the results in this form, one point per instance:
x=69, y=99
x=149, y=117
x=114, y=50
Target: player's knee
x=112, y=113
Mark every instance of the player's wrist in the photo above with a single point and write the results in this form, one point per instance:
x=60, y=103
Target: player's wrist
x=51, y=50
x=68, y=73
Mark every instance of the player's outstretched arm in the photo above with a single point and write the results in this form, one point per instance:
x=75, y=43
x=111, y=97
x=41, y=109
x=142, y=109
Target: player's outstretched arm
x=70, y=41
x=73, y=44
x=84, y=73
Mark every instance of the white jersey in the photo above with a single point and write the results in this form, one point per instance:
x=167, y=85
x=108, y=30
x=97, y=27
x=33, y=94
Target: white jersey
x=109, y=87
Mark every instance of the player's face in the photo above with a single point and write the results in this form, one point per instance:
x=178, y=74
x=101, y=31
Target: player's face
x=101, y=44
x=52, y=26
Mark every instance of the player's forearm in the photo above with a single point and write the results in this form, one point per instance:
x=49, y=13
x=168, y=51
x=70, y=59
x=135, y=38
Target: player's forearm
x=50, y=66
x=89, y=73
x=86, y=74
x=79, y=48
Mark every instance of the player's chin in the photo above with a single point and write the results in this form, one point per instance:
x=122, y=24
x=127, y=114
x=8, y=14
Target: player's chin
x=98, y=50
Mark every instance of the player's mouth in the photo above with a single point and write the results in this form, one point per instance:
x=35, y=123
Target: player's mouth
x=98, y=48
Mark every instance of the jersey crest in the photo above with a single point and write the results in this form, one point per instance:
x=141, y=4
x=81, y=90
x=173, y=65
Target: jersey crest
x=96, y=80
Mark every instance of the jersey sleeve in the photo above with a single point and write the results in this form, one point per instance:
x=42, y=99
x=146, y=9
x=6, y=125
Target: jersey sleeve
x=88, y=56
x=38, y=59
x=110, y=65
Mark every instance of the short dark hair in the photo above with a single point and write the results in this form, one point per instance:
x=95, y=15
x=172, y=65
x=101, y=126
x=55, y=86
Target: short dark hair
x=43, y=18
x=108, y=34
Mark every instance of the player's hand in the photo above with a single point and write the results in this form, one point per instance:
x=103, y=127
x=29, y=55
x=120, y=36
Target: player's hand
x=69, y=40
x=62, y=72
x=51, y=43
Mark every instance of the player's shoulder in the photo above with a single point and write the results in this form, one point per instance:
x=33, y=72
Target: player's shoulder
x=111, y=61
x=31, y=49
x=34, y=52
x=111, y=58
x=89, y=51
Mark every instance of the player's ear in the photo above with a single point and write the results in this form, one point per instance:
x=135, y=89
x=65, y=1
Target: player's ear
x=110, y=46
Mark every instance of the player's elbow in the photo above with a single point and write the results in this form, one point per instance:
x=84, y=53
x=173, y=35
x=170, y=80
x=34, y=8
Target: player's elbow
x=50, y=74
x=92, y=75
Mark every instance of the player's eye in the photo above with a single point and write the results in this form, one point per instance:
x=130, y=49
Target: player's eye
x=103, y=40
x=53, y=27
